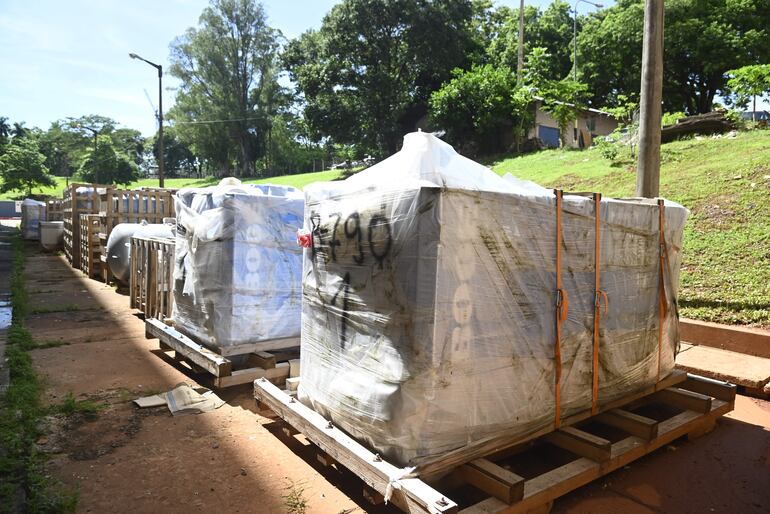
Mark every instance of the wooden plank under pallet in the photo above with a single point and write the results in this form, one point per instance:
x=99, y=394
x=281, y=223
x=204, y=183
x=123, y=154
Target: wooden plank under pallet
x=588, y=456
x=219, y=366
x=412, y=494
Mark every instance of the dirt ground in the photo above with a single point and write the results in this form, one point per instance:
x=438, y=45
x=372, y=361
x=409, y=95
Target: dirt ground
x=123, y=459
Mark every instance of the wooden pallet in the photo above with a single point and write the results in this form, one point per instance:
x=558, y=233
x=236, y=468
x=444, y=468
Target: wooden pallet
x=152, y=276
x=90, y=260
x=524, y=475
x=130, y=206
x=54, y=209
x=73, y=205
x=233, y=369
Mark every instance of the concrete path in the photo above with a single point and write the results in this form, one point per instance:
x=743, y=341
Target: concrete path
x=738, y=368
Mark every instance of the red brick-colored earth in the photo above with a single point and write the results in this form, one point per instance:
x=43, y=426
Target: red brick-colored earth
x=233, y=460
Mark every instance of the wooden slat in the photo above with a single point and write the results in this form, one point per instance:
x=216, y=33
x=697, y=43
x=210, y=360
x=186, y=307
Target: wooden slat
x=684, y=399
x=581, y=443
x=493, y=480
x=499, y=445
x=246, y=376
x=214, y=363
x=265, y=346
x=547, y=487
x=412, y=495
x=262, y=360
x=634, y=424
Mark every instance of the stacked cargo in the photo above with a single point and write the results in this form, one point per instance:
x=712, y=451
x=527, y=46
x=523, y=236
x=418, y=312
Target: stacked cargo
x=238, y=268
x=446, y=307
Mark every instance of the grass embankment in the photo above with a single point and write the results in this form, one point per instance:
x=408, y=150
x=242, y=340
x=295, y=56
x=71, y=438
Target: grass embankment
x=299, y=181
x=725, y=182
x=24, y=485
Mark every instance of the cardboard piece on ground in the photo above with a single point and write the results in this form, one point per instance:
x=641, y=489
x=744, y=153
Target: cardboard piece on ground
x=183, y=399
x=155, y=400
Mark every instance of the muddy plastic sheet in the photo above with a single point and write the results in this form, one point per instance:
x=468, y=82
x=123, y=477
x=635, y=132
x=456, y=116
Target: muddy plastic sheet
x=428, y=320
x=237, y=273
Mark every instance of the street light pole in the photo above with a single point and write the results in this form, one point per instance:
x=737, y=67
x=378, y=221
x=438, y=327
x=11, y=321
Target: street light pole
x=574, y=35
x=520, y=61
x=160, y=113
x=96, y=168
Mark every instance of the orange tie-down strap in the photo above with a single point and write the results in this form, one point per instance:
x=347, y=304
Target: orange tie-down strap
x=663, y=260
x=562, y=305
x=599, y=296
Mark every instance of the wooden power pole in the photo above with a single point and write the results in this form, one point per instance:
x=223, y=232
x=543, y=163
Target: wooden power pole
x=520, y=64
x=648, y=168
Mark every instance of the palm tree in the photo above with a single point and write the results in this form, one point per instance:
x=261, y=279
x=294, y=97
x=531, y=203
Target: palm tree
x=19, y=130
x=5, y=129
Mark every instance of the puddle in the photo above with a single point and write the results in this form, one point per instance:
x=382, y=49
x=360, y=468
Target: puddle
x=6, y=312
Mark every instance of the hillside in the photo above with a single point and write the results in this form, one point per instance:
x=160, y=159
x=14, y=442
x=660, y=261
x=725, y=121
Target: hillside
x=725, y=182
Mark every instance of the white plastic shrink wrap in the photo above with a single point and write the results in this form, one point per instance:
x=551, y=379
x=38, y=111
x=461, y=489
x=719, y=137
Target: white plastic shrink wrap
x=428, y=321
x=32, y=213
x=237, y=273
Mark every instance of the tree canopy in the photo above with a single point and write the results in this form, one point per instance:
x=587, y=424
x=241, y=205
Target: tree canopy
x=103, y=165
x=229, y=90
x=703, y=40
x=366, y=75
x=22, y=167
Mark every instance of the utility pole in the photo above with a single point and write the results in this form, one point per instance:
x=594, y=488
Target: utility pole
x=520, y=64
x=160, y=113
x=648, y=167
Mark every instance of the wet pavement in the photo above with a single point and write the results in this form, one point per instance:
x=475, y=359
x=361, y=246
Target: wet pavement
x=6, y=268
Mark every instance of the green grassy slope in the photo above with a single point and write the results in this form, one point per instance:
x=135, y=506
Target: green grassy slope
x=725, y=183
x=298, y=181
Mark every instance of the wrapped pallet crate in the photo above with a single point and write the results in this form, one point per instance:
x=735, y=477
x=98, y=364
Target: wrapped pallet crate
x=446, y=307
x=237, y=268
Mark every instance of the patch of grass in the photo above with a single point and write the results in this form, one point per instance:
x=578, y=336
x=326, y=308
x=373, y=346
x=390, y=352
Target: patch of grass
x=725, y=182
x=49, y=343
x=70, y=307
x=71, y=406
x=294, y=499
x=24, y=486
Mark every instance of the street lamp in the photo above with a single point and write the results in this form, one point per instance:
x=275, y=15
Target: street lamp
x=160, y=113
x=574, y=35
x=96, y=168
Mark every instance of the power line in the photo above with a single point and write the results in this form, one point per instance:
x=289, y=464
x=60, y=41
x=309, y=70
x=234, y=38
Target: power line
x=196, y=122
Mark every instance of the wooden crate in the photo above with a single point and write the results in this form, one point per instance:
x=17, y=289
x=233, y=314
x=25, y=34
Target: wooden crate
x=54, y=209
x=74, y=204
x=227, y=370
x=90, y=260
x=152, y=276
x=524, y=475
x=131, y=206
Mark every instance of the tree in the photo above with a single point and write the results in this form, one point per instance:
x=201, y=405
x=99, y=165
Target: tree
x=480, y=108
x=5, y=132
x=550, y=29
x=177, y=156
x=365, y=77
x=703, y=40
x=22, y=168
x=229, y=90
x=749, y=82
x=19, y=131
x=105, y=166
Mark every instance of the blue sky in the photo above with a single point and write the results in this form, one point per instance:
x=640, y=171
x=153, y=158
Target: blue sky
x=61, y=58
